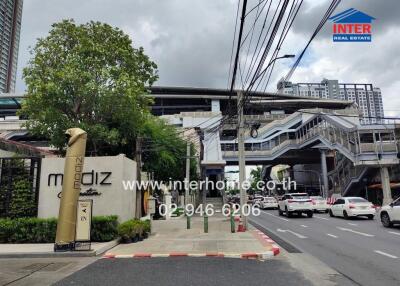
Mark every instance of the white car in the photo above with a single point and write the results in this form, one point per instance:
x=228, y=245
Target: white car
x=352, y=207
x=267, y=203
x=298, y=203
x=390, y=214
x=320, y=204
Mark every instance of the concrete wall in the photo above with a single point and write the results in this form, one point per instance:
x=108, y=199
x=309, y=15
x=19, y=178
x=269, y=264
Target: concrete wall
x=6, y=154
x=103, y=175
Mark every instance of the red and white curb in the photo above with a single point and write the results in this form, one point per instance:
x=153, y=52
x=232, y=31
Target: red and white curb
x=262, y=236
x=249, y=255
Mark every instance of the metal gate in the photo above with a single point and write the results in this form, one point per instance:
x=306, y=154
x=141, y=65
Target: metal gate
x=19, y=186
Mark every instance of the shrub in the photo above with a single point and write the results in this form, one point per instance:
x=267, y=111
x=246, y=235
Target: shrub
x=104, y=228
x=147, y=226
x=126, y=230
x=39, y=230
x=133, y=229
x=28, y=230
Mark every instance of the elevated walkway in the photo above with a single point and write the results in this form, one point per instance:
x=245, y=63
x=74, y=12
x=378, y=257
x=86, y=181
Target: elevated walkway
x=373, y=145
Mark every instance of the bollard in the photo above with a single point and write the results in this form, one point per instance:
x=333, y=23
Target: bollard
x=187, y=221
x=232, y=221
x=205, y=224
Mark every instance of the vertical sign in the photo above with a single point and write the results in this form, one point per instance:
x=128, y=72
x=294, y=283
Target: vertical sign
x=83, y=220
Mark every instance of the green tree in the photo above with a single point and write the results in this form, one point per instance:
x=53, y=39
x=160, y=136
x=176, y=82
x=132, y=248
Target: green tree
x=165, y=151
x=256, y=176
x=88, y=76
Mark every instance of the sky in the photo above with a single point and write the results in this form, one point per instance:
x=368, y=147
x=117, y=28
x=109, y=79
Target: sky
x=191, y=40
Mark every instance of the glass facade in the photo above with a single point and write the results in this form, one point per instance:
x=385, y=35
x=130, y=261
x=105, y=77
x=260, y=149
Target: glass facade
x=10, y=27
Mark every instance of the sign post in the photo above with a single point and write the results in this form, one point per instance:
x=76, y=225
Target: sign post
x=70, y=190
x=83, y=224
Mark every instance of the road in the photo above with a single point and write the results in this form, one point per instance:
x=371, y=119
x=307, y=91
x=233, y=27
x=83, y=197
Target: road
x=360, y=249
x=186, y=271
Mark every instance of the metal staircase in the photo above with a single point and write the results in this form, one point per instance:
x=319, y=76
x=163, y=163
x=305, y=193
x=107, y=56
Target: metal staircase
x=362, y=145
x=345, y=176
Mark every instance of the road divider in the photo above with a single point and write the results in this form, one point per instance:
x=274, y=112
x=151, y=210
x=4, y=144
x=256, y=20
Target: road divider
x=319, y=217
x=281, y=218
x=356, y=232
x=385, y=254
x=395, y=233
x=331, y=235
x=292, y=232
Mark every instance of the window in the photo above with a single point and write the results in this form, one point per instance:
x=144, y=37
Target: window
x=339, y=202
x=358, y=200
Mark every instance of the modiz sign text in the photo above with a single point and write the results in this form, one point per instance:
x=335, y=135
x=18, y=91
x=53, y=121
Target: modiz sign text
x=352, y=26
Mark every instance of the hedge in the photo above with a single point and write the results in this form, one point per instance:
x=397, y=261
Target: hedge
x=134, y=229
x=39, y=230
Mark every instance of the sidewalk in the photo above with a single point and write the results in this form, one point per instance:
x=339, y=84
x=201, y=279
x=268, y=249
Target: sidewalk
x=171, y=238
x=36, y=250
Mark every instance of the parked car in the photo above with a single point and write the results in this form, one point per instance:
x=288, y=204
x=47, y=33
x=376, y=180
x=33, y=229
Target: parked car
x=320, y=204
x=266, y=203
x=390, y=214
x=352, y=207
x=298, y=203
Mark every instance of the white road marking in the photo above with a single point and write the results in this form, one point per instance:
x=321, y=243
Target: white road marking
x=357, y=232
x=331, y=235
x=393, y=232
x=276, y=216
x=292, y=232
x=353, y=224
x=318, y=217
x=302, y=225
x=385, y=254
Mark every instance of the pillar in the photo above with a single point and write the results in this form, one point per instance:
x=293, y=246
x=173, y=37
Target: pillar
x=168, y=202
x=324, y=173
x=385, y=181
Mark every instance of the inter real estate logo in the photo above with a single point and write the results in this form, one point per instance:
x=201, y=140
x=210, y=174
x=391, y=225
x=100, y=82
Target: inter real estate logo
x=352, y=26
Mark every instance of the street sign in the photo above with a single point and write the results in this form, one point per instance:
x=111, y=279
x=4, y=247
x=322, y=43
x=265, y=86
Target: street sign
x=83, y=224
x=151, y=205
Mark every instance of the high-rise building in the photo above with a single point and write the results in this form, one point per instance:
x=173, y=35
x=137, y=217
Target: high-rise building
x=10, y=27
x=367, y=97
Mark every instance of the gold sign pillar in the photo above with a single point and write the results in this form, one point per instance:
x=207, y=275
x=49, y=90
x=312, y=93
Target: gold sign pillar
x=73, y=168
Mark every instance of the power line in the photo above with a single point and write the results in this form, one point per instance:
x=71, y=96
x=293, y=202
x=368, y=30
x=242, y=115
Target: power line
x=288, y=24
x=254, y=59
x=235, y=66
x=327, y=14
x=233, y=42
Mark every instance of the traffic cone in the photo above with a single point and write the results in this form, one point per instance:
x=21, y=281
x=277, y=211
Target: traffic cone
x=241, y=226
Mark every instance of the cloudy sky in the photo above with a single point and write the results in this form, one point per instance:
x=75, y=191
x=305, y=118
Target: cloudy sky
x=191, y=40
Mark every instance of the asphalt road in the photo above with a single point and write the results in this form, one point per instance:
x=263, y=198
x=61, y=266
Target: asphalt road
x=360, y=249
x=186, y=271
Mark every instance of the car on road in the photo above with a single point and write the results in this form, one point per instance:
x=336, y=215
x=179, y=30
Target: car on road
x=320, y=204
x=298, y=203
x=390, y=214
x=266, y=203
x=352, y=207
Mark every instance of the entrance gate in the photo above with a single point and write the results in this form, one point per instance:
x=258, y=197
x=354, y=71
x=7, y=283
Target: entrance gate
x=19, y=186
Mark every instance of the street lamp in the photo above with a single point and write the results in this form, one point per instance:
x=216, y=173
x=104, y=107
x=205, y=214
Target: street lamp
x=272, y=61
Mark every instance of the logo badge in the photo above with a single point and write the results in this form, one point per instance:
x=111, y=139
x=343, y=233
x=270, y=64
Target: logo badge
x=352, y=26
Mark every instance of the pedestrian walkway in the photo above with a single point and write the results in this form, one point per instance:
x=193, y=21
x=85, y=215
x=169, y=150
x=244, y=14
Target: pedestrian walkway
x=35, y=250
x=172, y=238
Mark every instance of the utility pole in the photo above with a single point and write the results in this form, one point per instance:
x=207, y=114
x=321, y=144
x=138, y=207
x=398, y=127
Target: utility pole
x=242, y=161
x=187, y=173
x=324, y=171
x=138, y=154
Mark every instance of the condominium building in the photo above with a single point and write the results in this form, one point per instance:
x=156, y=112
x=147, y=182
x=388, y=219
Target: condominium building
x=10, y=26
x=367, y=97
